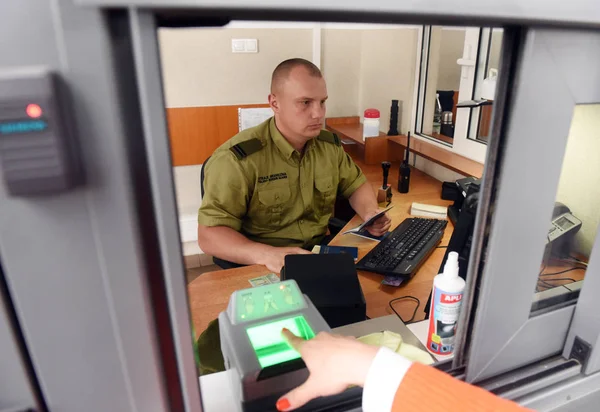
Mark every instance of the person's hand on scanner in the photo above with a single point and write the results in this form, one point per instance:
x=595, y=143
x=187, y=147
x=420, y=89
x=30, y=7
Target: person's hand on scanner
x=380, y=226
x=275, y=257
x=334, y=362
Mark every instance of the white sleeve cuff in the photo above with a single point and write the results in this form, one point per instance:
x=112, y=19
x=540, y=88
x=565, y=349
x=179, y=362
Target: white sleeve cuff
x=383, y=379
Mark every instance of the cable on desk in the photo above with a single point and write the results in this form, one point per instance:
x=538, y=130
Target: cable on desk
x=418, y=302
x=549, y=285
x=578, y=260
x=541, y=283
x=441, y=247
x=543, y=268
x=545, y=284
x=572, y=260
x=554, y=279
x=563, y=271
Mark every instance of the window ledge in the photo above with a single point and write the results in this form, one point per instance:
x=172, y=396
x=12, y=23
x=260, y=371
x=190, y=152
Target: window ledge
x=446, y=158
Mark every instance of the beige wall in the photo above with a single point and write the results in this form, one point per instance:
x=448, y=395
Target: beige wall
x=452, y=43
x=579, y=186
x=431, y=82
x=199, y=68
x=495, y=48
x=363, y=68
x=340, y=63
x=443, y=73
x=388, y=72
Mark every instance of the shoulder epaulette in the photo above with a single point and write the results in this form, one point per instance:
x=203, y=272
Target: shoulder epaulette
x=327, y=136
x=244, y=149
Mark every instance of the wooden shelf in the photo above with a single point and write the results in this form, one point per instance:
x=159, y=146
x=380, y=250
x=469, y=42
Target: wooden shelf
x=452, y=161
x=372, y=150
x=375, y=150
x=352, y=131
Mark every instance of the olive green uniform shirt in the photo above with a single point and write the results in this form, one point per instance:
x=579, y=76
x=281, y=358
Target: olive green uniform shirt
x=274, y=195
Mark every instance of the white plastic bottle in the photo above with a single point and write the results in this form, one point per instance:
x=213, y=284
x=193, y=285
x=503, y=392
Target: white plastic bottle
x=371, y=123
x=446, y=301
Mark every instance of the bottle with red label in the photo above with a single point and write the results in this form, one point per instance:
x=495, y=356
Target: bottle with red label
x=446, y=301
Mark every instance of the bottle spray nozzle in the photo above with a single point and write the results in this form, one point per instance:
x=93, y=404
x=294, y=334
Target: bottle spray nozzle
x=451, y=266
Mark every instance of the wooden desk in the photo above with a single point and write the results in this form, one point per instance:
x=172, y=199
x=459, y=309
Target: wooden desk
x=210, y=292
x=372, y=150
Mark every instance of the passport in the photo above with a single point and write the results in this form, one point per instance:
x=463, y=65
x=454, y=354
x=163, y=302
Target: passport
x=325, y=250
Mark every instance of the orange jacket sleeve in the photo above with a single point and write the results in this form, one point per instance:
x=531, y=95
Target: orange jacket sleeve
x=424, y=388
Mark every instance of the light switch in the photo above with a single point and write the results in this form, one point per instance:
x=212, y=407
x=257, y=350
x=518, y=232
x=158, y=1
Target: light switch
x=244, y=45
x=238, y=45
x=252, y=45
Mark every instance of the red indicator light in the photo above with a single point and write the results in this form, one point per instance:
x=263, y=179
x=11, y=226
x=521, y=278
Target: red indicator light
x=33, y=110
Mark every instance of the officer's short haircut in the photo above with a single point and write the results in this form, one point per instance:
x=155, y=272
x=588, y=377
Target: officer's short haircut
x=283, y=69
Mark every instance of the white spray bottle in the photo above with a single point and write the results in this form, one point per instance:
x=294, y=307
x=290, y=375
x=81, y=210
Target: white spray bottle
x=446, y=301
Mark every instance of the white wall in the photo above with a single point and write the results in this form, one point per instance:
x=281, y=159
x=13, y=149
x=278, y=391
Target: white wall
x=340, y=64
x=451, y=49
x=187, y=193
x=388, y=72
x=579, y=186
x=199, y=68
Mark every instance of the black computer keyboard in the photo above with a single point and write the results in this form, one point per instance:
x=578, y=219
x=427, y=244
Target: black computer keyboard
x=405, y=249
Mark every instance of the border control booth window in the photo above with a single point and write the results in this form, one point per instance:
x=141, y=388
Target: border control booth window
x=206, y=105
x=232, y=164
x=469, y=63
x=482, y=56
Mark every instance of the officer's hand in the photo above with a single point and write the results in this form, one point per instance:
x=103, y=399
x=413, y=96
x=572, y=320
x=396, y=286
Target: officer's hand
x=274, y=258
x=334, y=362
x=380, y=226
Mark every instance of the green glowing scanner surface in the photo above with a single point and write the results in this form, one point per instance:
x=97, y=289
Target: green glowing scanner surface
x=269, y=345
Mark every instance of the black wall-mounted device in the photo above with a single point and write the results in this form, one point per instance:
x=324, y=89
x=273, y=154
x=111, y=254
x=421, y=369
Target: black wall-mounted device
x=38, y=152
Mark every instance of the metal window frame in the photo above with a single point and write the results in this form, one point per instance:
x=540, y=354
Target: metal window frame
x=421, y=85
x=577, y=13
x=506, y=335
x=483, y=56
x=83, y=268
x=18, y=386
x=586, y=320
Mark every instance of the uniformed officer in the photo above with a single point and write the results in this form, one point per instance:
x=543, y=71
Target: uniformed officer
x=270, y=190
